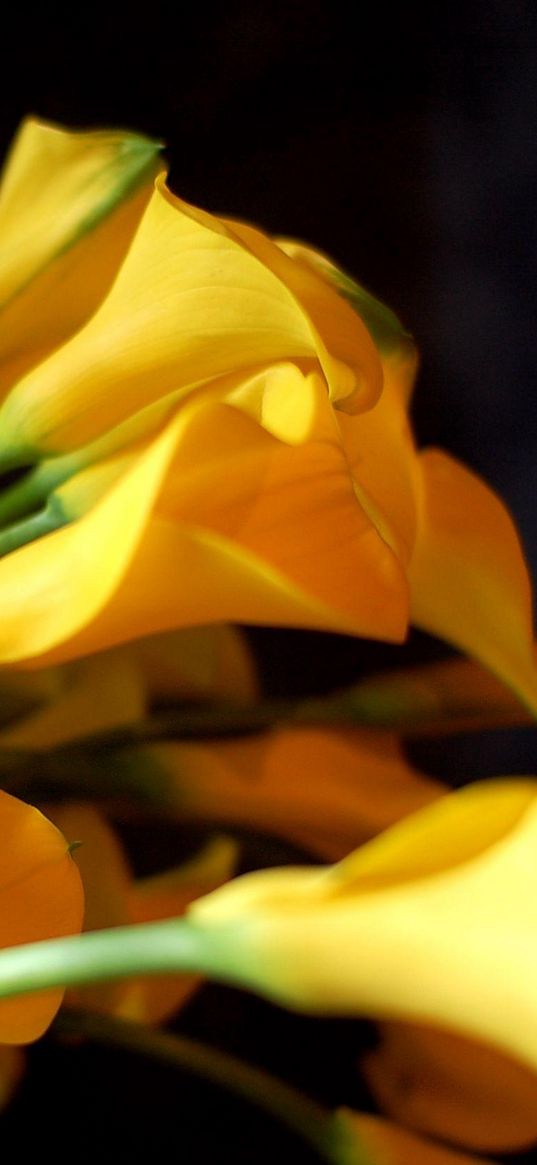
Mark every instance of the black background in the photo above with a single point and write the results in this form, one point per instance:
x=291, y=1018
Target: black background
x=403, y=143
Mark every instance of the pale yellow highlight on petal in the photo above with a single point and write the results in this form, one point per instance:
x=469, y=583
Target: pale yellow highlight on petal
x=468, y=579
x=290, y=405
x=344, y=346
x=434, y=922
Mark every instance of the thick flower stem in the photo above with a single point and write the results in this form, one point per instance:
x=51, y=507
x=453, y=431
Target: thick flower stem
x=171, y=946
x=310, y=1121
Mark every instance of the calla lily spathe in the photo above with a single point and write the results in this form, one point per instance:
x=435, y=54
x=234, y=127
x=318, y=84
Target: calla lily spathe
x=433, y=922
x=220, y=432
x=40, y=898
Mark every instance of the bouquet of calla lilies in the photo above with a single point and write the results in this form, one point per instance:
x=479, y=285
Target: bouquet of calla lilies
x=202, y=428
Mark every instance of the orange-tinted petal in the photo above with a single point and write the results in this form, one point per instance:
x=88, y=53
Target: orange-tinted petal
x=40, y=898
x=323, y=789
x=468, y=578
x=384, y=1143
x=453, y=1088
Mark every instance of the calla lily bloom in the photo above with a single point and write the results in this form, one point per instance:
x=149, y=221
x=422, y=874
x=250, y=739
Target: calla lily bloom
x=41, y=898
x=221, y=434
x=116, y=688
x=433, y=922
x=325, y=790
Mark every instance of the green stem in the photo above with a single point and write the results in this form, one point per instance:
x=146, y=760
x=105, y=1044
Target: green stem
x=309, y=1120
x=152, y=948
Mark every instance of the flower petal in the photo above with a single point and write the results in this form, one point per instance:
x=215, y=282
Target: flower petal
x=61, y=297
x=453, y=1088
x=190, y=303
x=344, y=346
x=433, y=922
x=58, y=185
x=385, y=1143
x=40, y=898
x=468, y=578
x=51, y=588
x=325, y=790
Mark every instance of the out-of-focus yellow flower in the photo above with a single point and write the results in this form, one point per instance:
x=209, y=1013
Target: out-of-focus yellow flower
x=433, y=922
x=40, y=898
x=457, y=1089
x=217, y=433
x=326, y=790
x=115, y=688
x=115, y=898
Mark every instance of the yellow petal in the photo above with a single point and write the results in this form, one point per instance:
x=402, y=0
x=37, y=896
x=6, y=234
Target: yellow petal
x=433, y=922
x=40, y=898
x=453, y=1088
x=382, y=458
x=344, y=346
x=62, y=296
x=384, y=1143
x=58, y=185
x=51, y=588
x=283, y=534
x=293, y=507
x=92, y=695
x=190, y=303
x=325, y=790
x=196, y=663
x=468, y=578
x=390, y=337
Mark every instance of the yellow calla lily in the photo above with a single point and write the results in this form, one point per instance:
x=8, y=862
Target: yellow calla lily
x=432, y=922
x=221, y=434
